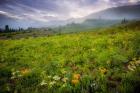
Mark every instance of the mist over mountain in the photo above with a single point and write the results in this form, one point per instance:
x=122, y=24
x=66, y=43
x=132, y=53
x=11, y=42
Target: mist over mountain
x=129, y=12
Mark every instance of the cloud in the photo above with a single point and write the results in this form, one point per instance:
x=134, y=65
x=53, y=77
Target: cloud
x=133, y=1
x=24, y=12
x=47, y=10
x=43, y=17
x=9, y=15
x=51, y=10
x=80, y=8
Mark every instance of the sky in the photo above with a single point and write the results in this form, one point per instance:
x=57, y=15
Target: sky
x=44, y=11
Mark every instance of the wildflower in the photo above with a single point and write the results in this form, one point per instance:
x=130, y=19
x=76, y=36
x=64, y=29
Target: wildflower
x=65, y=80
x=134, y=59
x=43, y=83
x=56, y=78
x=103, y=70
x=131, y=68
x=52, y=83
x=64, y=85
x=93, y=84
x=16, y=74
x=76, y=76
x=24, y=71
x=49, y=77
x=63, y=71
x=75, y=81
x=137, y=63
x=108, y=62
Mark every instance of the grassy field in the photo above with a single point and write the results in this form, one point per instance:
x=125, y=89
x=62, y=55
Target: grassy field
x=103, y=61
x=25, y=34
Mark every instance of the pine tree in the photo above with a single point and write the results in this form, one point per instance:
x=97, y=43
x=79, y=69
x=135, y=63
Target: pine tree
x=7, y=28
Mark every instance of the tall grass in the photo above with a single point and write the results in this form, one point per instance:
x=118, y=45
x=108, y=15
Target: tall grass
x=106, y=61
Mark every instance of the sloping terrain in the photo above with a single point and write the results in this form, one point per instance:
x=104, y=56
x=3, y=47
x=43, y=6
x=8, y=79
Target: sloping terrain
x=103, y=61
x=129, y=12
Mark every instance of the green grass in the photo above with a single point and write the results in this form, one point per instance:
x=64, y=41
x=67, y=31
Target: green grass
x=103, y=61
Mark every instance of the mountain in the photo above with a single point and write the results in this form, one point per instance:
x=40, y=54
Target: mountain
x=99, y=22
x=129, y=12
x=111, y=16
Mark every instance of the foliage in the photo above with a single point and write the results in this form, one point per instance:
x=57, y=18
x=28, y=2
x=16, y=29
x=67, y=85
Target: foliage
x=103, y=61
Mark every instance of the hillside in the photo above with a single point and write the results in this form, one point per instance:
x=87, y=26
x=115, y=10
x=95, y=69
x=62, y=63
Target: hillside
x=118, y=13
x=102, y=61
x=104, y=18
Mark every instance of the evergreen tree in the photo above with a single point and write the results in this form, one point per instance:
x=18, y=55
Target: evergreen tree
x=7, y=28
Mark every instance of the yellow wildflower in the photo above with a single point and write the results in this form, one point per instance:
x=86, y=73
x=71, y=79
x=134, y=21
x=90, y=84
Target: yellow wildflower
x=137, y=63
x=76, y=76
x=75, y=81
x=134, y=59
x=103, y=70
x=24, y=71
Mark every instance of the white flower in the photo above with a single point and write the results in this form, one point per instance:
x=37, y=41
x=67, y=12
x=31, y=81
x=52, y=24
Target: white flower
x=13, y=77
x=49, y=77
x=43, y=83
x=93, y=84
x=56, y=78
x=65, y=80
x=64, y=85
x=52, y=83
x=130, y=68
x=15, y=73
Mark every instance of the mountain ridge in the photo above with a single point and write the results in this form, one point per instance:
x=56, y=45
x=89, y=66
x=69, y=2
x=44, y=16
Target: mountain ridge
x=129, y=12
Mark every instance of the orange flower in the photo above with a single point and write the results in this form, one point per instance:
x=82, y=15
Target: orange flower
x=76, y=76
x=75, y=81
x=25, y=71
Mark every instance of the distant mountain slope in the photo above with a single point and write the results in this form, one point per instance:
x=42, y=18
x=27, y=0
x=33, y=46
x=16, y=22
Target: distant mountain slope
x=128, y=12
x=99, y=22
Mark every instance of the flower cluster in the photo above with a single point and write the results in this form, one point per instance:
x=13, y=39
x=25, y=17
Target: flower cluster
x=25, y=71
x=65, y=80
x=103, y=70
x=133, y=65
x=75, y=79
x=20, y=73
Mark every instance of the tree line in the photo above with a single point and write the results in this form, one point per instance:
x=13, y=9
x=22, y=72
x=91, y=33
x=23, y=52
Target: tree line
x=8, y=29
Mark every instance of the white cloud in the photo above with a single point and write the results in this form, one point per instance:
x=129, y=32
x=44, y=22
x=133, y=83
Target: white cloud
x=30, y=13
x=10, y=15
x=79, y=8
x=133, y=1
x=106, y=0
x=2, y=12
x=43, y=17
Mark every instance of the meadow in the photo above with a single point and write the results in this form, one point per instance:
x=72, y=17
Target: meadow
x=102, y=61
